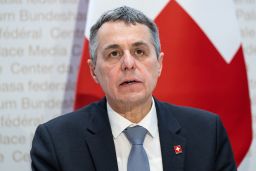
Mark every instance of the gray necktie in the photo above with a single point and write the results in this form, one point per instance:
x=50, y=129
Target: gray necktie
x=138, y=160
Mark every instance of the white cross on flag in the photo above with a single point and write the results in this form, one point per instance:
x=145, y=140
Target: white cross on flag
x=203, y=65
x=177, y=149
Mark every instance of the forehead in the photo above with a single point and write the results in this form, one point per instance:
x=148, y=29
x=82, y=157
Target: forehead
x=121, y=32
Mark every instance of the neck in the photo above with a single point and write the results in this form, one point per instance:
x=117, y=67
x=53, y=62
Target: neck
x=133, y=111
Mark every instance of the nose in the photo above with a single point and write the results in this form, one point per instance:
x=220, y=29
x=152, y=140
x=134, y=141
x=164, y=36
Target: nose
x=128, y=62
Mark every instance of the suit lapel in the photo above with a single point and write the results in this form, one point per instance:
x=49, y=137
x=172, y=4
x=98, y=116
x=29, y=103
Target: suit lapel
x=100, y=142
x=100, y=139
x=169, y=129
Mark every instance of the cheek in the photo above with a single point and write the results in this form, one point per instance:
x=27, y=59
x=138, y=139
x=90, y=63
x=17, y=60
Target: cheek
x=100, y=75
x=151, y=74
x=152, y=70
x=106, y=76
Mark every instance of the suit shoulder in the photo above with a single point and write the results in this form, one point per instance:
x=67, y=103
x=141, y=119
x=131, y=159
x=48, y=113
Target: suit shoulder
x=190, y=120
x=187, y=114
x=77, y=118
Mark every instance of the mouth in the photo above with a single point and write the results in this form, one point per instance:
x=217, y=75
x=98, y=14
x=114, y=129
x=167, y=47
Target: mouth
x=129, y=82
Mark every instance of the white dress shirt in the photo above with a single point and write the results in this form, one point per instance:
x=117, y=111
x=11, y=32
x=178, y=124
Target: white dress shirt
x=122, y=145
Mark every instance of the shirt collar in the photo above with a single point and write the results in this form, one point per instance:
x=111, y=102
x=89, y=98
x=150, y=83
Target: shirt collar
x=118, y=123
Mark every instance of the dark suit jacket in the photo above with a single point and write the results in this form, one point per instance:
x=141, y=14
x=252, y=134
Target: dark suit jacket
x=83, y=141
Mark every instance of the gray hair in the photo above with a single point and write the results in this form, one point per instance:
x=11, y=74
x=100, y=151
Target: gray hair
x=129, y=16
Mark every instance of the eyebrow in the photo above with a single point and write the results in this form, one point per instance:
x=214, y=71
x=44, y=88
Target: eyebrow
x=115, y=46
x=112, y=46
x=140, y=43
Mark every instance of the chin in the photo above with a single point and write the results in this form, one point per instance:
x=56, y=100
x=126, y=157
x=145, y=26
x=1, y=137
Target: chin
x=135, y=98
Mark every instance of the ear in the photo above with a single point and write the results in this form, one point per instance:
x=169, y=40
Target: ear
x=92, y=70
x=160, y=63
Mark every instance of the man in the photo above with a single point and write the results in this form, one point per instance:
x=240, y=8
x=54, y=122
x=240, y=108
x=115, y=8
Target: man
x=126, y=62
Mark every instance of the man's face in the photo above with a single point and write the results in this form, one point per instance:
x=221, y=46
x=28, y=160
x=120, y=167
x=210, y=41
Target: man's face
x=127, y=67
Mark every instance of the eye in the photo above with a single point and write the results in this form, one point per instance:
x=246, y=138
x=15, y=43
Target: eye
x=115, y=54
x=139, y=52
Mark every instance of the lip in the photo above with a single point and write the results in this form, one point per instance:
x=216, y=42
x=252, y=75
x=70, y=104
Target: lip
x=128, y=82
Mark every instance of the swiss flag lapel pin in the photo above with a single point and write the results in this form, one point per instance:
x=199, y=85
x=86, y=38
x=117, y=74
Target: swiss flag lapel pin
x=177, y=149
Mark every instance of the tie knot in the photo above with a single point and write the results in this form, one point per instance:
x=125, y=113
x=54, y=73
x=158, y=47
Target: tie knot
x=135, y=135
